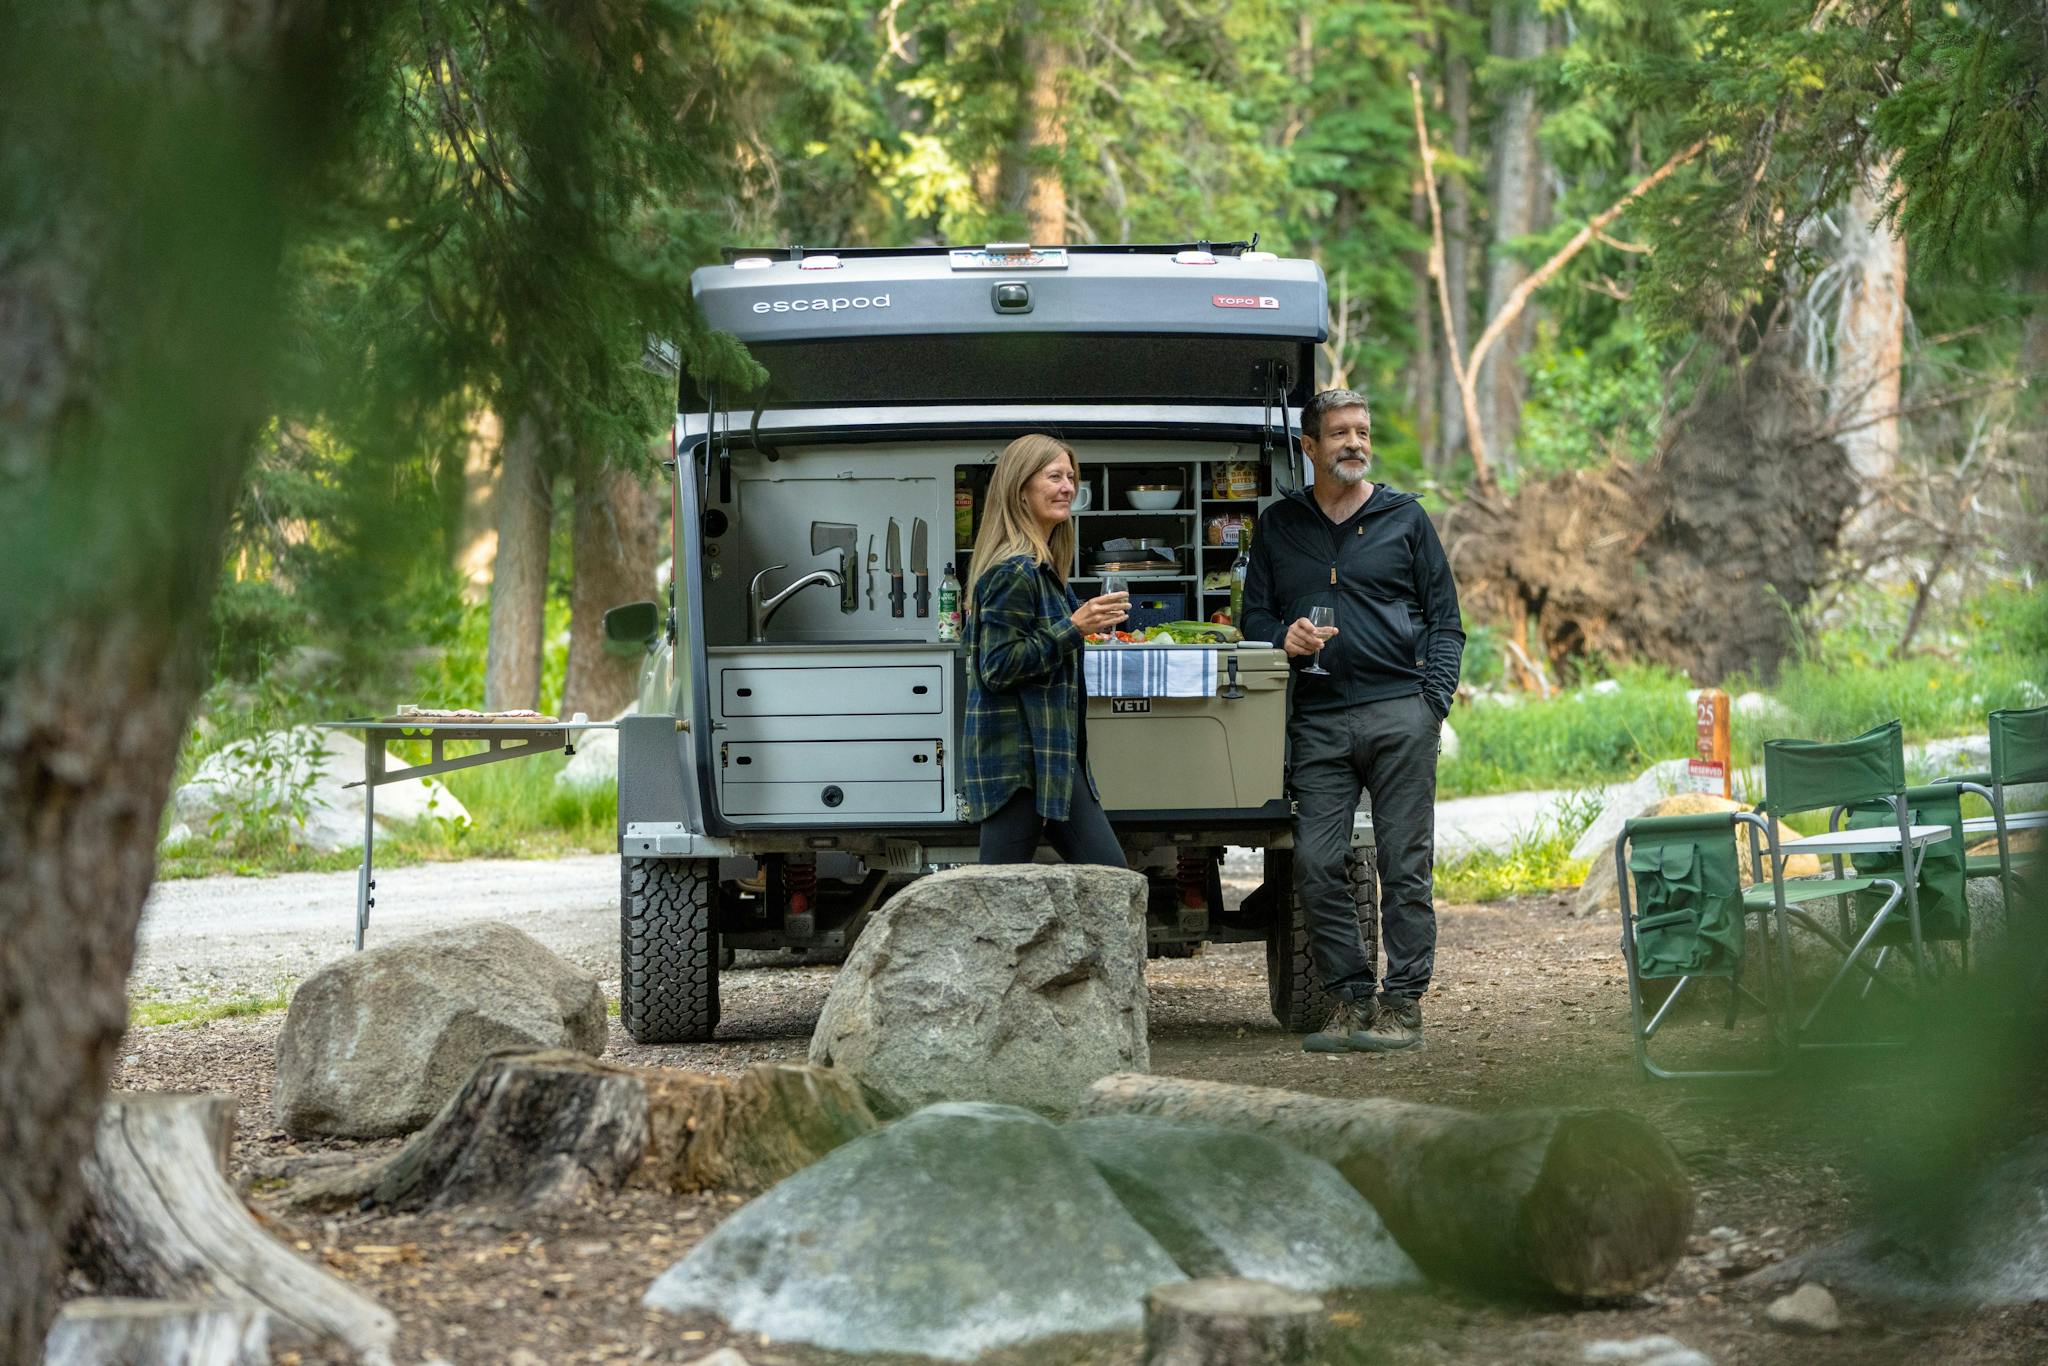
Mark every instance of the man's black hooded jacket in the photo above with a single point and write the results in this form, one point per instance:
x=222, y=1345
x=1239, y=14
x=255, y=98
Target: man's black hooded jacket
x=1383, y=570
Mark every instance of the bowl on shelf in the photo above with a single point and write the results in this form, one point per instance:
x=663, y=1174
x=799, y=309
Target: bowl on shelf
x=1153, y=497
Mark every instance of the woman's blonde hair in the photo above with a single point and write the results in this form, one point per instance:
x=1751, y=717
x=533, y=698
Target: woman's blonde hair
x=1007, y=526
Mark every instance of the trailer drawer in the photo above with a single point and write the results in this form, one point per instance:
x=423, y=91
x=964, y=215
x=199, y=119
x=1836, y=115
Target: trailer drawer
x=831, y=777
x=786, y=761
x=881, y=690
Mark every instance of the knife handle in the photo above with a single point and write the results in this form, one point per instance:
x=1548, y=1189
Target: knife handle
x=924, y=593
x=895, y=592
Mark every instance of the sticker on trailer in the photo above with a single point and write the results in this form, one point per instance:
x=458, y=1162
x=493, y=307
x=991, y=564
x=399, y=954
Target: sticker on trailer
x=1129, y=706
x=1244, y=301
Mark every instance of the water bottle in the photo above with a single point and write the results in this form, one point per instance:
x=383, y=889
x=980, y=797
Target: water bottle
x=949, y=606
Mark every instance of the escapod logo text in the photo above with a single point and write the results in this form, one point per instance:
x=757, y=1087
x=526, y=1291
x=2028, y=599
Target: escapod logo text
x=1243, y=301
x=824, y=305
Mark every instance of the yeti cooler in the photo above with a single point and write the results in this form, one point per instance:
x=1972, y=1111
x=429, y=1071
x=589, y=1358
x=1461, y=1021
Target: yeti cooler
x=1167, y=732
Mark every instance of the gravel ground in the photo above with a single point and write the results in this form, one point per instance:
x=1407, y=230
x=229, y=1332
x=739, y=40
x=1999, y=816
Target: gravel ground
x=1530, y=1009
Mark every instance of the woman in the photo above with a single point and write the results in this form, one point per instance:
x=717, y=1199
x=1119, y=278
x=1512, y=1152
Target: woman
x=1027, y=752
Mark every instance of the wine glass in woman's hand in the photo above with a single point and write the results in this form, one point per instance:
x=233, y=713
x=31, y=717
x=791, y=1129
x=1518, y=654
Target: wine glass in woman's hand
x=1116, y=585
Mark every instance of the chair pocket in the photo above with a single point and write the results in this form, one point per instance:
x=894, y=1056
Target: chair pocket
x=1670, y=903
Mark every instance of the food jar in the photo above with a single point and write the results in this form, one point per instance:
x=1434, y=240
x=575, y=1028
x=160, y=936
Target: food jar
x=1223, y=528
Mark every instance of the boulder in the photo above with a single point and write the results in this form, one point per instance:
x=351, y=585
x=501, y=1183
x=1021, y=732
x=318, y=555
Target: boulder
x=375, y=1043
x=1018, y=984
x=1225, y=1202
x=1623, y=800
x=1597, y=893
x=297, y=779
x=960, y=1229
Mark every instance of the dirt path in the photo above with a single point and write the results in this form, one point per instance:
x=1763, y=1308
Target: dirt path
x=1530, y=1009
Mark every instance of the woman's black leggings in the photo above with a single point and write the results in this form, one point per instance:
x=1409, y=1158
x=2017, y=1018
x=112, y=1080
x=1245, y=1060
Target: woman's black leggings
x=1012, y=833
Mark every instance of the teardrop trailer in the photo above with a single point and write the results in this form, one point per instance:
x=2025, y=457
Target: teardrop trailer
x=794, y=757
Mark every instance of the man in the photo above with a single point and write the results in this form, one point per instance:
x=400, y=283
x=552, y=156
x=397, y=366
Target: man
x=1373, y=720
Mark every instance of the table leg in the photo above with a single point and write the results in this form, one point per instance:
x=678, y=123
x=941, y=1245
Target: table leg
x=366, y=878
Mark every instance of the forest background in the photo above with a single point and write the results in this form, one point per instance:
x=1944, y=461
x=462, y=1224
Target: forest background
x=1766, y=276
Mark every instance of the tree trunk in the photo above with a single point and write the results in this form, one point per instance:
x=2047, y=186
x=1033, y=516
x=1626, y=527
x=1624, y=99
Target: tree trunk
x=110, y=1332
x=1422, y=369
x=1578, y=1204
x=1033, y=184
x=538, y=1131
x=162, y=1221
x=519, y=583
x=615, y=546
x=476, y=549
x=1870, y=333
x=1228, y=1321
x=138, y=291
x=2030, y=443
x=1457, y=196
x=1519, y=32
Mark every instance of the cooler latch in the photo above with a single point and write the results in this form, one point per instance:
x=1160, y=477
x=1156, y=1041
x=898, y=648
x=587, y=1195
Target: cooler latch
x=1231, y=689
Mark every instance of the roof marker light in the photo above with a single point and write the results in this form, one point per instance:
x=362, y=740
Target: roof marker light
x=818, y=263
x=1259, y=256
x=1194, y=258
x=752, y=263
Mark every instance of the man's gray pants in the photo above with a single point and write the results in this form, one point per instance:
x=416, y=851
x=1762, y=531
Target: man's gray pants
x=1389, y=750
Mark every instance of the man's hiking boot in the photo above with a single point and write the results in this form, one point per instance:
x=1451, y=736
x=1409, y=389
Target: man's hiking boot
x=1344, y=1030
x=1396, y=1023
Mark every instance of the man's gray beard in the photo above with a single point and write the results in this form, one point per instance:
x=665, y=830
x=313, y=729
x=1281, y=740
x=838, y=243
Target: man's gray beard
x=1349, y=472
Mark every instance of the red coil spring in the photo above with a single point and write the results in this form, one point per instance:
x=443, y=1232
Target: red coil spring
x=800, y=881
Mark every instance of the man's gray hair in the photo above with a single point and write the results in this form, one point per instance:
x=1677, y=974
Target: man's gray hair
x=1329, y=401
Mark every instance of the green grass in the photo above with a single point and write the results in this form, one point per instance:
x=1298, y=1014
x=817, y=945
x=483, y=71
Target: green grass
x=1578, y=739
x=1539, y=861
x=516, y=811
x=147, y=1013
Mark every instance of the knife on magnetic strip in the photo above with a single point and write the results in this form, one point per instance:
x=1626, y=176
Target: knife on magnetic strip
x=920, y=567
x=895, y=570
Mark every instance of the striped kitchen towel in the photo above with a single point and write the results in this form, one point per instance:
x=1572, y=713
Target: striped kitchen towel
x=1149, y=670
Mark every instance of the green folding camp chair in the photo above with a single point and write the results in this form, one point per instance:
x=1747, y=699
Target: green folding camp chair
x=1685, y=921
x=1806, y=775
x=1944, y=908
x=2019, y=755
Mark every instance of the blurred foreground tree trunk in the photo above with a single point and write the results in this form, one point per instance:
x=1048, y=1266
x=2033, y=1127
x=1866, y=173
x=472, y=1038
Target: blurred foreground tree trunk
x=616, y=544
x=151, y=157
x=519, y=578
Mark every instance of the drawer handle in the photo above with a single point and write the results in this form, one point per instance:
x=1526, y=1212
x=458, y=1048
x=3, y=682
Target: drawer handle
x=921, y=689
x=746, y=759
x=915, y=759
x=743, y=692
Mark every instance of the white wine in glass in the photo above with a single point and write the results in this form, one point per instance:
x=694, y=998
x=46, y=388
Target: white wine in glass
x=1320, y=618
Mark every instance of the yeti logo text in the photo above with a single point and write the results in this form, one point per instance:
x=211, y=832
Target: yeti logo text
x=823, y=305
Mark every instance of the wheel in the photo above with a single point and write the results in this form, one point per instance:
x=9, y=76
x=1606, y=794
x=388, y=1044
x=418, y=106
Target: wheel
x=668, y=949
x=1292, y=989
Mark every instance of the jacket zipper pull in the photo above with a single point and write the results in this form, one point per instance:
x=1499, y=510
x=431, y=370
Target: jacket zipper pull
x=1333, y=576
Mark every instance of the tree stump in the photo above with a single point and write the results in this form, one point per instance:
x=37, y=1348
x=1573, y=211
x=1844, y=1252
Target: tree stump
x=537, y=1131
x=162, y=1222
x=1229, y=1321
x=1579, y=1204
x=109, y=1332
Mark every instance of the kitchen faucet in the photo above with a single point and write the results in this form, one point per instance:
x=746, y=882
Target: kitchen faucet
x=759, y=609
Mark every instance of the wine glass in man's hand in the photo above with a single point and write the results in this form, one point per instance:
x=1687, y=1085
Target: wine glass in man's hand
x=1322, y=618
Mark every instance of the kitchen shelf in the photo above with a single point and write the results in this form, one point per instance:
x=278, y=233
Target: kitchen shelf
x=1137, y=512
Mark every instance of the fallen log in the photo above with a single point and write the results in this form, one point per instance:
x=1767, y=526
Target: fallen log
x=538, y=1131
x=161, y=1222
x=1229, y=1321
x=120, y=1332
x=1580, y=1204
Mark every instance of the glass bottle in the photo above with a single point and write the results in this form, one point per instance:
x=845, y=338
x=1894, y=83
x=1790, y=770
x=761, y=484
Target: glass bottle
x=949, y=606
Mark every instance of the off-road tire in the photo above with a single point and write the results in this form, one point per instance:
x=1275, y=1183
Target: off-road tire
x=1292, y=987
x=668, y=949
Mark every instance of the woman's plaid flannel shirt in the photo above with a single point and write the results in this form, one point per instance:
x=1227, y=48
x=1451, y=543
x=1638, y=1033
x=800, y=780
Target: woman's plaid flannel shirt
x=1025, y=698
